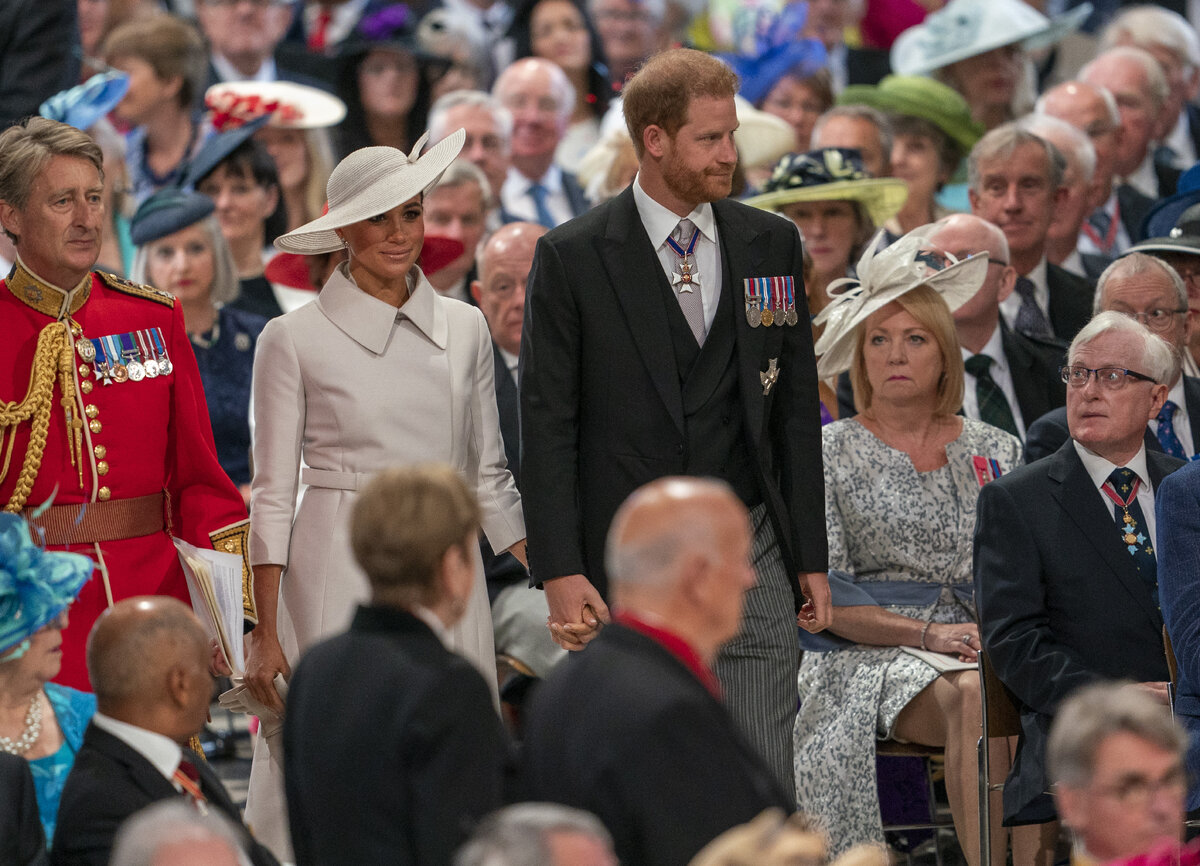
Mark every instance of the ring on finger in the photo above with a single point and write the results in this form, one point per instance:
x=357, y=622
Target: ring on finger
x=966, y=638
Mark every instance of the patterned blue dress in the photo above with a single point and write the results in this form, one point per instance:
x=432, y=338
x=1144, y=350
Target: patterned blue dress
x=73, y=710
x=225, y=356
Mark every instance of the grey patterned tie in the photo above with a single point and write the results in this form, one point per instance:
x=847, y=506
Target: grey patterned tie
x=1031, y=321
x=689, y=294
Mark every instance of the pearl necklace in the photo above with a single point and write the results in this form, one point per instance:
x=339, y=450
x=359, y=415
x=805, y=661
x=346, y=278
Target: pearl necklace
x=33, y=729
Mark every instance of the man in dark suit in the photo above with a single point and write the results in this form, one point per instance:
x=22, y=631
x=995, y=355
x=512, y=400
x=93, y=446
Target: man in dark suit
x=22, y=842
x=1138, y=285
x=628, y=376
x=649, y=749
x=148, y=660
x=1015, y=182
x=243, y=38
x=518, y=611
x=1016, y=377
x=541, y=100
x=1065, y=570
x=38, y=41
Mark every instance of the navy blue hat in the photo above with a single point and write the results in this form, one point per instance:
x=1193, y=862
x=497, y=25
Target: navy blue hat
x=82, y=105
x=1165, y=215
x=1184, y=237
x=168, y=211
x=214, y=151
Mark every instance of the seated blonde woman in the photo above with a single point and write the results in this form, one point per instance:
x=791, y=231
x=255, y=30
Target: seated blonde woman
x=901, y=480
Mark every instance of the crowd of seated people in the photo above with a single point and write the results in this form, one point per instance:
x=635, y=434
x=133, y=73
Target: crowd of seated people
x=758, y=445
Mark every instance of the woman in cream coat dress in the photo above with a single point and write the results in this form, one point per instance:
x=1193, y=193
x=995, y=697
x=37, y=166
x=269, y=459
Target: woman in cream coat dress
x=379, y=371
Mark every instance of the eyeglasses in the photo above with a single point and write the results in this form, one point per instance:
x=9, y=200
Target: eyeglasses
x=1155, y=320
x=1136, y=792
x=1110, y=378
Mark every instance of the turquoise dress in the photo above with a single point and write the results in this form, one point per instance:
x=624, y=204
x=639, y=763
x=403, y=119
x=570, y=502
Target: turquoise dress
x=73, y=710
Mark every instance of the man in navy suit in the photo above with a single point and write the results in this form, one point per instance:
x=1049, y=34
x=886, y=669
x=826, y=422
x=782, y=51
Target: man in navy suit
x=541, y=100
x=1178, y=505
x=633, y=729
x=518, y=611
x=1065, y=570
x=639, y=360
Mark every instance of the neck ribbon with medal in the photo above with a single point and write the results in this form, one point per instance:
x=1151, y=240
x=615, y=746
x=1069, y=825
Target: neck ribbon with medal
x=685, y=279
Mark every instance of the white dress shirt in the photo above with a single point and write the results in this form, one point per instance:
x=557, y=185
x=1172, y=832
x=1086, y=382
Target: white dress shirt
x=1180, y=422
x=226, y=71
x=343, y=18
x=1041, y=295
x=1144, y=179
x=1098, y=469
x=1001, y=375
x=510, y=359
x=515, y=197
x=163, y=752
x=660, y=222
x=1180, y=141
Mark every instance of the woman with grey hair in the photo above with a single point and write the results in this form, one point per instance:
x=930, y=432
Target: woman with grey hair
x=182, y=251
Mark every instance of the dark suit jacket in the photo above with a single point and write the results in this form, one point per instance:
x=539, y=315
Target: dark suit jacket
x=505, y=569
x=1070, y=301
x=649, y=751
x=39, y=41
x=1134, y=207
x=1177, y=502
x=21, y=840
x=1060, y=603
x=316, y=76
x=109, y=782
x=392, y=748
x=601, y=402
x=1047, y=434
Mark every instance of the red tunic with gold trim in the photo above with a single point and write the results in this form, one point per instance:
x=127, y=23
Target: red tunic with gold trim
x=118, y=442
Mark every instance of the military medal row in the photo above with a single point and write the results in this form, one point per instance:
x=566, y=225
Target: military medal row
x=129, y=357
x=771, y=301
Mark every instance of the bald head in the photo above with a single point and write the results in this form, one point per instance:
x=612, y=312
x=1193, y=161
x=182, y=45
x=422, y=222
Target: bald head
x=679, y=548
x=1093, y=111
x=148, y=661
x=505, y=260
x=961, y=235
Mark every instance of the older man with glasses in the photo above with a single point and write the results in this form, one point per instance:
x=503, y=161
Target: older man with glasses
x=1065, y=563
x=1144, y=288
x=1116, y=761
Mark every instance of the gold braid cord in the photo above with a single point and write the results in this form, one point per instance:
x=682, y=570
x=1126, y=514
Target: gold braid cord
x=52, y=357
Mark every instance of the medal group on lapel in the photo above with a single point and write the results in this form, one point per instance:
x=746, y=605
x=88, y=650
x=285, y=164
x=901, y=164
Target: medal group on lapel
x=129, y=357
x=771, y=301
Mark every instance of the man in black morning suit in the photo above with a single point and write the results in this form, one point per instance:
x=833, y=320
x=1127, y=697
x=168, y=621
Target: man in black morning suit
x=648, y=747
x=619, y=387
x=1067, y=594
x=148, y=660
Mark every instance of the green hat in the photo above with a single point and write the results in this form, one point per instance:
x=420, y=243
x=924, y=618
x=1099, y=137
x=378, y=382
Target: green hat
x=831, y=174
x=918, y=96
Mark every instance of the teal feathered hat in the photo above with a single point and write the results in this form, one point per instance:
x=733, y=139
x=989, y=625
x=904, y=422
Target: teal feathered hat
x=35, y=585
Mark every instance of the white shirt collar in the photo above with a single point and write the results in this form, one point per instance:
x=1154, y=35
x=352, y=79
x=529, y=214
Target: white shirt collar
x=660, y=221
x=509, y=358
x=161, y=751
x=226, y=71
x=993, y=348
x=1098, y=468
x=370, y=321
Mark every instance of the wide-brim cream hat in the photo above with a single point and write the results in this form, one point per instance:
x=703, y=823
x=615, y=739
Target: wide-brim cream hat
x=368, y=182
x=883, y=276
x=291, y=105
x=966, y=28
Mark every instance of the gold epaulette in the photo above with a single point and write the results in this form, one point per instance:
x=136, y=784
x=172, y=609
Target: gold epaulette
x=136, y=289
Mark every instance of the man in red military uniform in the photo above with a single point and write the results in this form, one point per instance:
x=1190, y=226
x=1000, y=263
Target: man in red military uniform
x=101, y=407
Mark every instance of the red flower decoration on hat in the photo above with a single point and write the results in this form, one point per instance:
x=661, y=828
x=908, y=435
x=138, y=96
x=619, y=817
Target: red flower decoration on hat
x=232, y=110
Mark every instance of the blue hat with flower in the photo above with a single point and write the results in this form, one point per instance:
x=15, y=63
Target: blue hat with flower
x=35, y=585
x=769, y=53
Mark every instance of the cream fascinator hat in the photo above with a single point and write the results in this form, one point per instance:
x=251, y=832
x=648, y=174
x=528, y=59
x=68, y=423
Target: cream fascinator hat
x=883, y=276
x=371, y=181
